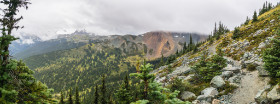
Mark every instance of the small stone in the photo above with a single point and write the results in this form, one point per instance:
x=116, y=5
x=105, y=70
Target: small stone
x=262, y=71
x=216, y=101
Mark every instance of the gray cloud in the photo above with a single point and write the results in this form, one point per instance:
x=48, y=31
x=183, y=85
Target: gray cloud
x=46, y=18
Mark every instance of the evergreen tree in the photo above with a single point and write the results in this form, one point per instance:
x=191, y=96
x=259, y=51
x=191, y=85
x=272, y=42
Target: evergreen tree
x=70, y=100
x=77, y=96
x=236, y=33
x=96, y=95
x=161, y=63
x=255, y=17
x=271, y=58
x=247, y=21
x=103, y=91
x=154, y=93
x=17, y=84
x=61, y=97
x=185, y=47
x=191, y=40
x=124, y=95
x=145, y=76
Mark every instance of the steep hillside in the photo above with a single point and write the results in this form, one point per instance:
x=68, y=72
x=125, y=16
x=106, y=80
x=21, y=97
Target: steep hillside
x=243, y=79
x=79, y=58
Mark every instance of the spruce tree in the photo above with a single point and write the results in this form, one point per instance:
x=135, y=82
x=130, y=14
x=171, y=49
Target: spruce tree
x=247, y=21
x=191, y=40
x=145, y=76
x=124, y=95
x=70, y=100
x=185, y=47
x=103, y=91
x=96, y=95
x=236, y=33
x=271, y=58
x=161, y=63
x=17, y=84
x=77, y=96
x=61, y=97
x=255, y=17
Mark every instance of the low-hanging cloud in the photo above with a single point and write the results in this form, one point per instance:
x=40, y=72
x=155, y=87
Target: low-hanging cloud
x=47, y=18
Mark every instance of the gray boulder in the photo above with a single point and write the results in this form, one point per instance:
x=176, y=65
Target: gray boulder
x=274, y=95
x=235, y=79
x=232, y=69
x=227, y=74
x=217, y=82
x=261, y=98
x=187, y=95
x=262, y=71
x=210, y=92
x=262, y=45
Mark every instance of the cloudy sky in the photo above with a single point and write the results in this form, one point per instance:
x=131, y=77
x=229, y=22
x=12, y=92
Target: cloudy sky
x=47, y=18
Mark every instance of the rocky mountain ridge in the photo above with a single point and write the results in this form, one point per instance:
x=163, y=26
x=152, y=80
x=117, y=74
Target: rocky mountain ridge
x=237, y=83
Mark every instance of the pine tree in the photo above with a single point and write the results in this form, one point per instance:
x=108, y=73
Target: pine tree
x=236, y=33
x=8, y=22
x=96, y=95
x=161, y=63
x=17, y=84
x=70, y=100
x=271, y=58
x=145, y=76
x=77, y=96
x=61, y=97
x=247, y=21
x=103, y=91
x=255, y=17
x=185, y=47
x=124, y=95
x=191, y=40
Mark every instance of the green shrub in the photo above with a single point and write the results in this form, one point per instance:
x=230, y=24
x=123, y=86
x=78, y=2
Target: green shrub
x=227, y=89
x=251, y=67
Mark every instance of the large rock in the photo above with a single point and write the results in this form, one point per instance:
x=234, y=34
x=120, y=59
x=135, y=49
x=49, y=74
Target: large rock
x=262, y=45
x=233, y=69
x=210, y=92
x=261, y=97
x=217, y=82
x=179, y=71
x=262, y=71
x=274, y=95
x=235, y=79
x=186, y=95
x=227, y=74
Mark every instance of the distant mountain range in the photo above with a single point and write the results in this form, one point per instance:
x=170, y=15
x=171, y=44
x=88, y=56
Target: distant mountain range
x=153, y=44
